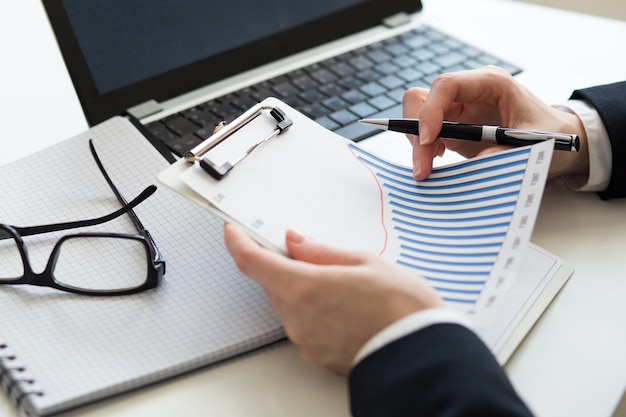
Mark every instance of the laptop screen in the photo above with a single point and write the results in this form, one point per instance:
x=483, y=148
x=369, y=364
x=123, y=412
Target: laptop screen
x=125, y=42
x=121, y=53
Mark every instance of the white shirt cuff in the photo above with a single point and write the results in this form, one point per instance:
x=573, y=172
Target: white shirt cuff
x=407, y=325
x=600, y=156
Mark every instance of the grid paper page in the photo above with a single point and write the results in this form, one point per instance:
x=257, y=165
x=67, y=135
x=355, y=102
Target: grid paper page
x=78, y=348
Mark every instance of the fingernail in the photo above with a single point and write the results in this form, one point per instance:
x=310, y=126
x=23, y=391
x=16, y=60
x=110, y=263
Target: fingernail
x=424, y=138
x=295, y=236
x=417, y=168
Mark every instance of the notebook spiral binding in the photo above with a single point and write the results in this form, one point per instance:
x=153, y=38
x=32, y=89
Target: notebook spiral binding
x=15, y=381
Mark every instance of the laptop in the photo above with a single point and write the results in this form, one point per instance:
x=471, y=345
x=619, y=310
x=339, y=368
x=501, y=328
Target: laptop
x=179, y=68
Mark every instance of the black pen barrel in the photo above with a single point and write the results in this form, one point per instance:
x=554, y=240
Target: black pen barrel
x=477, y=133
x=448, y=130
x=463, y=132
x=409, y=126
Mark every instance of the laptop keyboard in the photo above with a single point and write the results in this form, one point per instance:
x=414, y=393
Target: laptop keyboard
x=367, y=82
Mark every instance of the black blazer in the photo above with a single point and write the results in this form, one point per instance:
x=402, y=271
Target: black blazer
x=445, y=369
x=441, y=370
x=610, y=102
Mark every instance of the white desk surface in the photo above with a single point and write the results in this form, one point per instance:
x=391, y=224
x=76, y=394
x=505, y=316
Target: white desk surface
x=572, y=363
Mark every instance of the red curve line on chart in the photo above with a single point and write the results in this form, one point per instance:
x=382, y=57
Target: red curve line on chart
x=382, y=206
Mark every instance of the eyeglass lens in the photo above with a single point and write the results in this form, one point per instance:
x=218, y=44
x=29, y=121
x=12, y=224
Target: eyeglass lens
x=114, y=263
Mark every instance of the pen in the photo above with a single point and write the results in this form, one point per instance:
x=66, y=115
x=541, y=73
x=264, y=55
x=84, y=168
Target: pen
x=477, y=133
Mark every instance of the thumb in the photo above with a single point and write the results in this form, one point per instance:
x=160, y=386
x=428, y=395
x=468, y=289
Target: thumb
x=305, y=249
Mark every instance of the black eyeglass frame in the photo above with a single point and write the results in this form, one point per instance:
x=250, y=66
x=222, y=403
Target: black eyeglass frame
x=156, y=262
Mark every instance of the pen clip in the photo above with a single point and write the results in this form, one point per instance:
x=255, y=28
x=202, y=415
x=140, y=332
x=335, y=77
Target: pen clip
x=562, y=141
x=530, y=135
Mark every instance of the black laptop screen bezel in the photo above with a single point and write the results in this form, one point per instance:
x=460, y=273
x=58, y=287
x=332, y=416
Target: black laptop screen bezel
x=99, y=107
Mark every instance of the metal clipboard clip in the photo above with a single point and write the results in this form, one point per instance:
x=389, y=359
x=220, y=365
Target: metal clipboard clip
x=222, y=132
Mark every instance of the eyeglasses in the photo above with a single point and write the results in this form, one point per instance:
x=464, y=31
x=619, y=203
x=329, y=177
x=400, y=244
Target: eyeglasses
x=103, y=264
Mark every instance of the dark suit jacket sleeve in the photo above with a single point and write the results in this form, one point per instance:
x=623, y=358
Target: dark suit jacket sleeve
x=610, y=102
x=441, y=370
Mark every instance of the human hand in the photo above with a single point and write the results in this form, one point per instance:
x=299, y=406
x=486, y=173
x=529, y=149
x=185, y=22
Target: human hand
x=488, y=96
x=330, y=301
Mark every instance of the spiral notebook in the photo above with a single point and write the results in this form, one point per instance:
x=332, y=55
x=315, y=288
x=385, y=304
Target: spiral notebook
x=60, y=351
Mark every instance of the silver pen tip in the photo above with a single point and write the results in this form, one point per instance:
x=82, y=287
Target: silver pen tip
x=378, y=122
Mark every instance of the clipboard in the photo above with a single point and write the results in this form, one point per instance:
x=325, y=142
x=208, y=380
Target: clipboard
x=465, y=228
x=308, y=178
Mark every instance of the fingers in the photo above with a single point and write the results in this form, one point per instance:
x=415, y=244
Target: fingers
x=307, y=250
x=423, y=155
x=446, y=92
x=273, y=270
x=465, y=97
x=261, y=264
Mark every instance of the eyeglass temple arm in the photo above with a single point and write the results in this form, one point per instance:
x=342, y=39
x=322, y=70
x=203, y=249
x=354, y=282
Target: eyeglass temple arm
x=33, y=230
x=121, y=199
x=138, y=225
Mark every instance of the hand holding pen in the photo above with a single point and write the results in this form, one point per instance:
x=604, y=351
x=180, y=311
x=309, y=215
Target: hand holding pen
x=487, y=98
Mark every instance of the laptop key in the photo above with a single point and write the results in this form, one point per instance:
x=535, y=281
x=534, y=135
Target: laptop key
x=201, y=117
x=225, y=111
x=285, y=90
x=328, y=123
x=335, y=103
x=313, y=96
x=387, y=68
x=405, y=61
x=203, y=134
x=342, y=69
x=409, y=74
x=243, y=101
x=354, y=96
x=305, y=82
x=373, y=89
x=450, y=59
x=331, y=90
x=357, y=131
x=351, y=82
x=369, y=75
x=363, y=110
x=427, y=67
x=315, y=111
x=439, y=48
x=361, y=63
x=381, y=102
x=343, y=117
x=391, y=81
x=323, y=76
x=379, y=56
x=159, y=131
x=295, y=102
x=180, y=125
x=181, y=145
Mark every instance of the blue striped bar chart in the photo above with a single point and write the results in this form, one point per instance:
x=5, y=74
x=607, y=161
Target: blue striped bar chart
x=459, y=227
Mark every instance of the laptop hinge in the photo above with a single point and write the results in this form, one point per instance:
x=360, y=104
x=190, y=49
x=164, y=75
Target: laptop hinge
x=396, y=20
x=145, y=109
